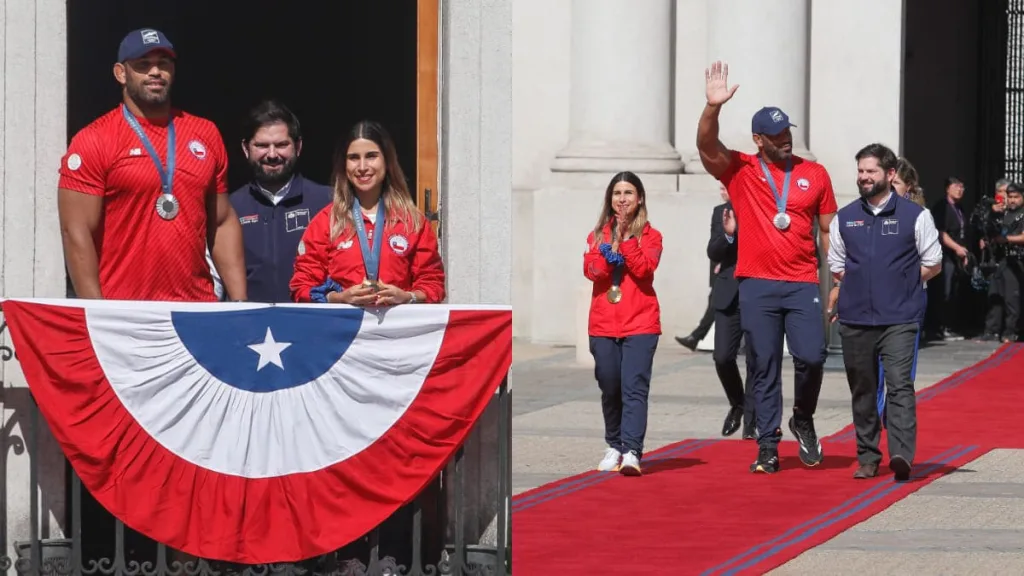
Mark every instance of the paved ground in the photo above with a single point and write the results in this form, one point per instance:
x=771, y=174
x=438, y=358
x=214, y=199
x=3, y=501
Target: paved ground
x=970, y=522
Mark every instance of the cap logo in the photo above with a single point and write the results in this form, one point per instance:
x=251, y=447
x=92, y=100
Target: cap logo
x=150, y=36
x=776, y=116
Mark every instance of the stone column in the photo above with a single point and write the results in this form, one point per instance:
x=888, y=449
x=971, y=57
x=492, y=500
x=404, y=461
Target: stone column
x=766, y=45
x=621, y=91
x=476, y=219
x=33, y=111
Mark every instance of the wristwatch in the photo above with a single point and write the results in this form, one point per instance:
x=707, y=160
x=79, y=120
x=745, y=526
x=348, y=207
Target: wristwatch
x=412, y=298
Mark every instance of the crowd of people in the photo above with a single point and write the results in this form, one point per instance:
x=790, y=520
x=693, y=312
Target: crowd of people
x=982, y=254
x=882, y=249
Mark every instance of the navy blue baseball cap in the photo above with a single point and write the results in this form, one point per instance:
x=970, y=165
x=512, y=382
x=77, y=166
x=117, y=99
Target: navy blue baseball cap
x=140, y=42
x=770, y=121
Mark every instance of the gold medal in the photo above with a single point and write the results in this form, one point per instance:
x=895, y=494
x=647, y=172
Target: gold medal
x=614, y=294
x=371, y=284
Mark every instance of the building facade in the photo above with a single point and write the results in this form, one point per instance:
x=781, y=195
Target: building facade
x=606, y=85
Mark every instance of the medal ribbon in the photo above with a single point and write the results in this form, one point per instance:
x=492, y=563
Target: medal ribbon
x=166, y=174
x=371, y=258
x=783, y=199
x=619, y=268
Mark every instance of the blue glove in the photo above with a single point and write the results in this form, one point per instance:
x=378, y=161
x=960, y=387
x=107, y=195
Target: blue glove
x=319, y=294
x=613, y=258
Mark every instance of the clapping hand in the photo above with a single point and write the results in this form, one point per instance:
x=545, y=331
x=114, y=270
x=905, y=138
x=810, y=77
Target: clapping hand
x=718, y=91
x=622, y=226
x=729, y=222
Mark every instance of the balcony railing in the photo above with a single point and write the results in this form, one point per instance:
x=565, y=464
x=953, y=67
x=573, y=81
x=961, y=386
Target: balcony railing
x=459, y=525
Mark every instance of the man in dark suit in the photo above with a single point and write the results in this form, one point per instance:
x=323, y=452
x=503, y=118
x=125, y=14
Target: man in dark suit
x=704, y=326
x=725, y=299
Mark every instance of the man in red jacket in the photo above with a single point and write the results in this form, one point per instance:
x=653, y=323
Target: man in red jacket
x=143, y=189
x=778, y=197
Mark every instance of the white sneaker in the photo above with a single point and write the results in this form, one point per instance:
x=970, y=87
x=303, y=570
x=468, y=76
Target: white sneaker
x=610, y=462
x=630, y=464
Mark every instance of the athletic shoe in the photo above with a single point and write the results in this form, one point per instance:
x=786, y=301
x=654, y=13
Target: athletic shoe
x=767, y=460
x=810, y=448
x=610, y=462
x=630, y=464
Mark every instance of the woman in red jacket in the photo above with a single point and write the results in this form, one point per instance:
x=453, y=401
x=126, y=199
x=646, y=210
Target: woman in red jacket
x=625, y=319
x=372, y=246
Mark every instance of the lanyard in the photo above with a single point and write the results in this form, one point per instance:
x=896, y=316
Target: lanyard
x=371, y=258
x=166, y=174
x=959, y=215
x=780, y=200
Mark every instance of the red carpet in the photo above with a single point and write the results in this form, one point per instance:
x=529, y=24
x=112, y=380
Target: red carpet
x=697, y=510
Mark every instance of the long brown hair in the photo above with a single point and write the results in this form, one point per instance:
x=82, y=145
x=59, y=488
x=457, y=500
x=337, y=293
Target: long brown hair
x=636, y=226
x=906, y=172
x=398, y=202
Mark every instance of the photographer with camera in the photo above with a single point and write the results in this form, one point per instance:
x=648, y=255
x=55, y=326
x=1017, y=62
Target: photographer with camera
x=987, y=221
x=1011, y=269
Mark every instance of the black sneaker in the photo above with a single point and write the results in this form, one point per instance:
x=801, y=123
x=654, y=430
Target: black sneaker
x=767, y=460
x=810, y=448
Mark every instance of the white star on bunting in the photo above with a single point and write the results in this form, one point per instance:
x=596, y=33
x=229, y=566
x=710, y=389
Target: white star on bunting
x=269, y=351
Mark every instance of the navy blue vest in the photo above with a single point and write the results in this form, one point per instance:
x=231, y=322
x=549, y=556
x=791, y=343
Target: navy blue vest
x=882, y=284
x=271, y=234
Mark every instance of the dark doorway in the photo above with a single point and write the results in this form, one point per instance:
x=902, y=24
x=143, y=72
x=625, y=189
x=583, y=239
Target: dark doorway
x=332, y=63
x=957, y=122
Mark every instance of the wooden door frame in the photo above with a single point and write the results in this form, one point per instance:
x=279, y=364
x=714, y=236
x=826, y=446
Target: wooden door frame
x=427, y=44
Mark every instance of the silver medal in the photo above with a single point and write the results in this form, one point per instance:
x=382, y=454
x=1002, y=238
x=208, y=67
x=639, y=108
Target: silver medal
x=167, y=206
x=781, y=221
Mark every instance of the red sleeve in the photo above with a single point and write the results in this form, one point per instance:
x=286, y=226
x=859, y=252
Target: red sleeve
x=595, y=267
x=643, y=261
x=738, y=160
x=827, y=202
x=311, y=260
x=220, y=158
x=84, y=167
x=427, y=268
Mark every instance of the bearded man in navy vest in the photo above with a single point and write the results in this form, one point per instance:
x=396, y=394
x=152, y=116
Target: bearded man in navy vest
x=883, y=248
x=277, y=205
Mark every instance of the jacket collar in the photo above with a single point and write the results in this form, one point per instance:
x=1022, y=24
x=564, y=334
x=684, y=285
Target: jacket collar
x=888, y=209
x=294, y=190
